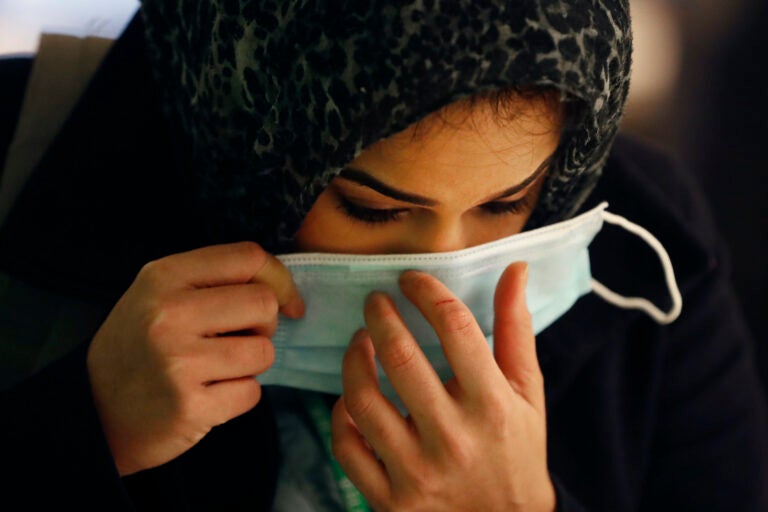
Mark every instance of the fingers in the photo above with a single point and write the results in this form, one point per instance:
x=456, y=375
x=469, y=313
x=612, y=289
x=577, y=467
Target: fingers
x=375, y=416
x=224, y=264
x=409, y=371
x=226, y=309
x=228, y=399
x=227, y=358
x=188, y=326
x=514, y=340
x=279, y=278
x=463, y=343
x=356, y=458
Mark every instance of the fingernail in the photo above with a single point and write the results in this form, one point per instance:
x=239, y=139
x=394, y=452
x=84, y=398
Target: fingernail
x=525, y=272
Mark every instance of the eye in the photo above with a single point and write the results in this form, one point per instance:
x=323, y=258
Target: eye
x=507, y=207
x=368, y=215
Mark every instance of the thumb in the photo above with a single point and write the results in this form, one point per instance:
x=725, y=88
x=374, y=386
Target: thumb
x=514, y=344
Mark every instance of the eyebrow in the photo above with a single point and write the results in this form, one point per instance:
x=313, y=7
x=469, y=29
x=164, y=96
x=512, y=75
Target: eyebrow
x=363, y=178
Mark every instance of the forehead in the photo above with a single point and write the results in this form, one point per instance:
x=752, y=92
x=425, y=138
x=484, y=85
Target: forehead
x=467, y=143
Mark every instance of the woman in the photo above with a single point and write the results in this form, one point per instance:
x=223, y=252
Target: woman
x=418, y=128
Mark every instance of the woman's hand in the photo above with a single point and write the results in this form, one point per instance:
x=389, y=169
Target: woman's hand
x=476, y=443
x=162, y=371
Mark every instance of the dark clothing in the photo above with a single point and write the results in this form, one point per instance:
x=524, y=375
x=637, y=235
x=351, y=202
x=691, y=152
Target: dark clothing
x=640, y=416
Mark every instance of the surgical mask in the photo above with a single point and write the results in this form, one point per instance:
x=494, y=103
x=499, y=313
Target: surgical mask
x=309, y=351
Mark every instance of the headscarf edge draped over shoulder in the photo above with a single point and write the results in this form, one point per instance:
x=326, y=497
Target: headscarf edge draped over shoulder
x=273, y=98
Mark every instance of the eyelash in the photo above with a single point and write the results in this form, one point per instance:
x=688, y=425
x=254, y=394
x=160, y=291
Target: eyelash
x=506, y=207
x=380, y=216
x=368, y=215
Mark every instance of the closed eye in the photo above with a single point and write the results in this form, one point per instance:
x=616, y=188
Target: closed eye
x=368, y=215
x=504, y=207
x=383, y=215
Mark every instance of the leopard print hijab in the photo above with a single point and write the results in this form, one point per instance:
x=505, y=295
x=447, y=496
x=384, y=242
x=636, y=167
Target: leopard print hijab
x=273, y=97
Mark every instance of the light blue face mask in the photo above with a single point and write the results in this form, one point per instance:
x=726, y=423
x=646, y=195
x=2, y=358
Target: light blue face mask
x=309, y=351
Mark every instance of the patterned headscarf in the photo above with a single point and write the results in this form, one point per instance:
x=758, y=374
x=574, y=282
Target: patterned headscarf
x=274, y=97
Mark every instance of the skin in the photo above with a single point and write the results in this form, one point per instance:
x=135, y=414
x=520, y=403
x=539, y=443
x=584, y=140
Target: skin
x=177, y=354
x=459, y=159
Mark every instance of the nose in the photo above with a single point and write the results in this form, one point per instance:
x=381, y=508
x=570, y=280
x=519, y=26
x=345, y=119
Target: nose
x=445, y=236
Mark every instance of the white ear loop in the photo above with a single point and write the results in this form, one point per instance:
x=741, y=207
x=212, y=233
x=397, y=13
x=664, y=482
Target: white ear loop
x=639, y=302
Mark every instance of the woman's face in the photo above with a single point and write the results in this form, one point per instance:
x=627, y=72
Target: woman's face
x=457, y=179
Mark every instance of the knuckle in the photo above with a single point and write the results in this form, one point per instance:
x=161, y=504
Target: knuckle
x=418, y=472
x=359, y=404
x=378, y=305
x=424, y=486
x=457, y=448
x=154, y=272
x=342, y=450
x=349, y=359
x=174, y=367
x=497, y=413
x=195, y=436
x=263, y=353
x=253, y=251
x=163, y=317
x=460, y=450
x=420, y=282
x=150, y=268
x=188, y=433
x=250, y=247
x=456, y=318
x=397, y=352
x=265, y=300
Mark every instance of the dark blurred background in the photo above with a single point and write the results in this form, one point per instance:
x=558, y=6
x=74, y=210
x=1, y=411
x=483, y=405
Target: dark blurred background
x=698, y=90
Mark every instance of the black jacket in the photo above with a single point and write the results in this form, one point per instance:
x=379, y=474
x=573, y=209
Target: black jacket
x=640, y=416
